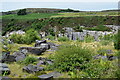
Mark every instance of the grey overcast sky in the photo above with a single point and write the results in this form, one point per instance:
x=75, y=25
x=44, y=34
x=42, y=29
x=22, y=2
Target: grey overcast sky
x=84, y=6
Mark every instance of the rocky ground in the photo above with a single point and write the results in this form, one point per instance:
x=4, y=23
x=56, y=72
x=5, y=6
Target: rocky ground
x=36, y=55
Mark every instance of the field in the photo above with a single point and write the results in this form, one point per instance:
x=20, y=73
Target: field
x=48, y=15
x=29, y=16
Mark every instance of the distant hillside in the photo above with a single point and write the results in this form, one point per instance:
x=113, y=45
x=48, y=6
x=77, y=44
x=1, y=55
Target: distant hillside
x=41, y=10
x=52, y=10
x=110, y=10
x=44, y=18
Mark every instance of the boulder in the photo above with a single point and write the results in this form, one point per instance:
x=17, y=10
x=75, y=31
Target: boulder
x=32, y=68
x=55, y=74
x=6, y=57
x=5, y=47
x=19, y=56
x=97, y=56
x=44, y=61
x=41, y=63
x=34, y=50
x=24, y=51
x=41, y=58
x=4, y=69
x=45, y=46
x=109, y=51
x=50, y=75
x=45, y=77
x=49, y=62
x=38, y=42
x=104, y=57
x=53, y=46
x=112, y=58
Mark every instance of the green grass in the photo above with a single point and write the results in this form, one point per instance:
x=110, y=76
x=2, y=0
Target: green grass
x=29, y=16
x=111, y=13
x=47, y=15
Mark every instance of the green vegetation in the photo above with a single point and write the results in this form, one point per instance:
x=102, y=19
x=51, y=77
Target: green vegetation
x=63, y=38
x=29, y=60
x=78, y=29
x=50, y=37
x=75, y=59
x=79, y=14
x=22, y=12
x=89, y=38
x=71, y=57
x=117, y=41
x=69, y=10
x=30, y=36
x=49, y=23
x=29, y=16
x=98, y=28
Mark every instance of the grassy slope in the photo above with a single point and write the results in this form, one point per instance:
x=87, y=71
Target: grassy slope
x=47, y=15
x=29, y=16
x=115, y=13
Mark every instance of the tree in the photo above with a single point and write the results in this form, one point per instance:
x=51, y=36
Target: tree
x=22, y=12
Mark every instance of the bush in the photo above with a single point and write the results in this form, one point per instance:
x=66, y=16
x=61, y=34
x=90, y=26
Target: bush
x=117, y=41
x=29, y=37
x=89, y=38
x=99, y=28
x=63, y=39
x=97, y=69
x=70, y=58
x=17, y=38
x=50, y=37
x=29, y=60
x=78, y=29
x=22, y=12
x=51, y=31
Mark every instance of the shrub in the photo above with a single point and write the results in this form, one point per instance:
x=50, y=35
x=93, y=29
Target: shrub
x=89, y=38
x=29, y=60
x=78, y=29
x=63, y=39
x=22, y=12
x=17, y=38
x=29, y=37
x=99, y=28
x=70, y=58
x=117, y=41
x=51, y=37
x=97, y=69
x=51, y=31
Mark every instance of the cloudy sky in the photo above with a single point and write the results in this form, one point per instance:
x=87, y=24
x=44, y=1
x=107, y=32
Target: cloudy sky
x=84, y=5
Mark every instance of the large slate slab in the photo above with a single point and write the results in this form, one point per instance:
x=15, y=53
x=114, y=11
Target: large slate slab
x=32, y=68
x=34, y=50
x=45, y=77
x=50, y=75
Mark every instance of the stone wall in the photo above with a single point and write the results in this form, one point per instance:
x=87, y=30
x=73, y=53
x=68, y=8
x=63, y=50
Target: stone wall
x=72, y=35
